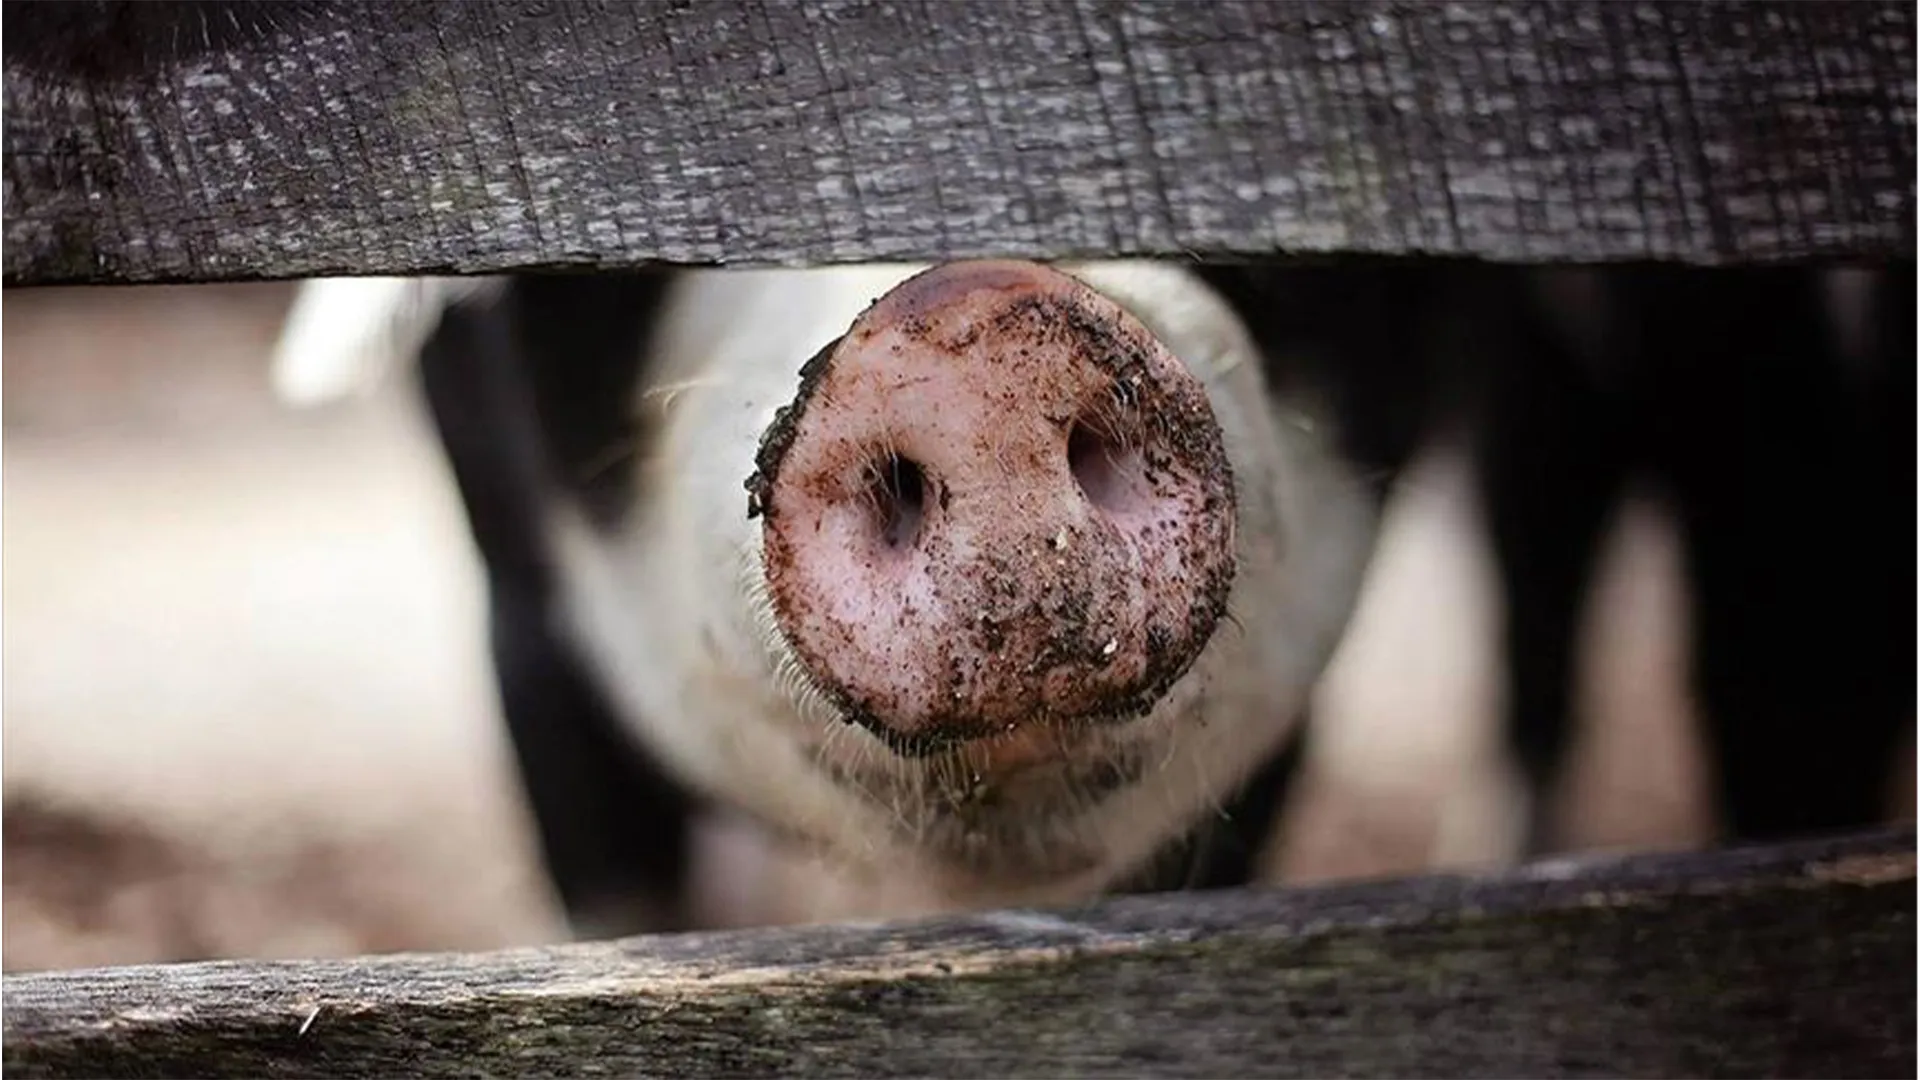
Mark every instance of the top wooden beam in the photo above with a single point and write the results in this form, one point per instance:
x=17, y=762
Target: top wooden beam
x=211, y=141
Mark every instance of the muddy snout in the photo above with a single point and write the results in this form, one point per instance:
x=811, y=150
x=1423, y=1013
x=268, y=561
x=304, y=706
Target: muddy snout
x=997, y=502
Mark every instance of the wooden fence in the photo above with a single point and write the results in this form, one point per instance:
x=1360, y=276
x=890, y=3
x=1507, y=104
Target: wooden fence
x=227, y=141
x=416, y=137
x=1795, y=960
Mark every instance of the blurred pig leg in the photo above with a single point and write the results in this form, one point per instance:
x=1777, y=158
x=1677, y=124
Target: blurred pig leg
x=1551, y=459
x=1789, y=447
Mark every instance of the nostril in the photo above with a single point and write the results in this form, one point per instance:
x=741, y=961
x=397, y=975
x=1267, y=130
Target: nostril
x=1103, y=466
x=898, y=489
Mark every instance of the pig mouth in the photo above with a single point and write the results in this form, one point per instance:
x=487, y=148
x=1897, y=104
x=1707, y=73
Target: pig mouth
x=1020, y=822
x=969, y=780
x=1015, y=805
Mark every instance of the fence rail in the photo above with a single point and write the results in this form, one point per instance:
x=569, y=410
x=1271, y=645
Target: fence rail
x=1794, y=960
x=315, y=137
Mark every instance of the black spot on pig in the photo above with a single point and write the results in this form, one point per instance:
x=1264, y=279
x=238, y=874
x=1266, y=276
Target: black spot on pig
x=525, y=389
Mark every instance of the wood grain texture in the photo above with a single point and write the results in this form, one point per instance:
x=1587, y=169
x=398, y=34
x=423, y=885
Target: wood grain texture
x=1783, y=961
x=248, y=140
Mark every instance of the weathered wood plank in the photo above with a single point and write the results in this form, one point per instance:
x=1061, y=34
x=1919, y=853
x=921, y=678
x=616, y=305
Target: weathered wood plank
x=1783, y=961
x=321, y=137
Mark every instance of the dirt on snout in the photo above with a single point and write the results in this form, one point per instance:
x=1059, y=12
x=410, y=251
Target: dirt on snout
x=1072, y=501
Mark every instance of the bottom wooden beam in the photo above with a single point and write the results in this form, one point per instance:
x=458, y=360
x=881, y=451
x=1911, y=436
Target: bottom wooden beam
x=1793, y=960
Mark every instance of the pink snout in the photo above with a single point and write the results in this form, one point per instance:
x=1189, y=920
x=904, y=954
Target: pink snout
x=998, y=501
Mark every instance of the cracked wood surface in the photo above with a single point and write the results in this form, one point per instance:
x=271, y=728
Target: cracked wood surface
x=1788, y=960
x=209, y=141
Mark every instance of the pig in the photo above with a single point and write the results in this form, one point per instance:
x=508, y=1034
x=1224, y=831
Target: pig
x=878, y=590
x=620, y=443
x=1770, y=410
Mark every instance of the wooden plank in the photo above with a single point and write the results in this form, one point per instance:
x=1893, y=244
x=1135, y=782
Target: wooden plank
x=217, y=141
x=1794, y=960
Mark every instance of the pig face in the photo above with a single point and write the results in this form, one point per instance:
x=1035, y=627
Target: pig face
x=996, y=574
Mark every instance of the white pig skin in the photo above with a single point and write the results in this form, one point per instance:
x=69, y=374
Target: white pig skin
x=670, y=609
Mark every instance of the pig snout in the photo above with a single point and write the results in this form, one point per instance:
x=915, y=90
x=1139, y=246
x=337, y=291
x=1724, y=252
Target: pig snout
x=998, y=501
